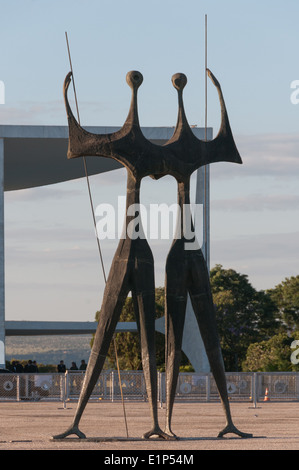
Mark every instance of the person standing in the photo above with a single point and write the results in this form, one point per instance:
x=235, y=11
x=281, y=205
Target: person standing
x=61, y=367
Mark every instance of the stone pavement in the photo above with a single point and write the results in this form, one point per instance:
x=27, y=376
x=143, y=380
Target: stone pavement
x=30, y=426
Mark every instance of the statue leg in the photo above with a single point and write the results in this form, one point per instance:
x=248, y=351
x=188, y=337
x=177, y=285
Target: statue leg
x=175, y=311
x=143, y=293
x=202, y=303
x=115, y=294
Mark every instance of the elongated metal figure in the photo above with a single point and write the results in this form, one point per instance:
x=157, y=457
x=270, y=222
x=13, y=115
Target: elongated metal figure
x=186, y=270
x=132, y=267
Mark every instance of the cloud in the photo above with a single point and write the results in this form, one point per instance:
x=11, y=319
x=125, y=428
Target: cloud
x=42, y=193
x=50, y=112
x=32, y=113
x=266, y=258
x=257, y=202
x=264, y=155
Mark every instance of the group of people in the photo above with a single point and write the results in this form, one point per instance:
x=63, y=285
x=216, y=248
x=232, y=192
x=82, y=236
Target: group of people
x=30, y=367
x=62, y=367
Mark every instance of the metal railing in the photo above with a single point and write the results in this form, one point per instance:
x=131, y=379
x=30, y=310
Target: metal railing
x=241, y=386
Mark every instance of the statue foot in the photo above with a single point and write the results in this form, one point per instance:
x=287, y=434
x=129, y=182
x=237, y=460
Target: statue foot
x=171, y=434
x=72, y=430
x=156, y=431
x=230, y=428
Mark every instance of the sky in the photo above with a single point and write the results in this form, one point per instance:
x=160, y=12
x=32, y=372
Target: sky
x=52, y=264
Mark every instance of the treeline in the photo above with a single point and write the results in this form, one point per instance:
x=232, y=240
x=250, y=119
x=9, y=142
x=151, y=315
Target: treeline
x=256, y=328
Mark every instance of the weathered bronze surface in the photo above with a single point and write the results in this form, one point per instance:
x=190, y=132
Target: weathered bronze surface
x=186, y=269
x=132, y=268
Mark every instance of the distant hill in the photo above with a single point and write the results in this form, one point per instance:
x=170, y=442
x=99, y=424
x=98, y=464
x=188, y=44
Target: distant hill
x=49, y=349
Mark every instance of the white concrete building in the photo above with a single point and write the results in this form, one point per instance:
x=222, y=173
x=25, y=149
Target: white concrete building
x=33, y=156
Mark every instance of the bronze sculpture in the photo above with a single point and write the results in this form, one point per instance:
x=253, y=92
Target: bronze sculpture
x=186, y=270
x=132, y=268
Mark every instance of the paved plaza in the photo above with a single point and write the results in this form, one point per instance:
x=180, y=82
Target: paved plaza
x=30, y=426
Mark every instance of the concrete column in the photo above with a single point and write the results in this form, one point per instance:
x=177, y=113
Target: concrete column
x=2, y=289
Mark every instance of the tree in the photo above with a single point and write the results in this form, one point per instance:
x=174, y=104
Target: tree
x=243, y=314
x=286, y=297
x=275, y=354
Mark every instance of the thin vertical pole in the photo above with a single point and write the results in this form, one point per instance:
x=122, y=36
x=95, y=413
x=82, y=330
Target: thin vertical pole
x=84, y=161
x=206, y=75
x=94, y=220
x=120, y=385
x=2, y=257
x=206, y=199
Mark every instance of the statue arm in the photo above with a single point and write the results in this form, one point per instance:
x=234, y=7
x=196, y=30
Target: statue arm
x=223, y=147
x=84, y=143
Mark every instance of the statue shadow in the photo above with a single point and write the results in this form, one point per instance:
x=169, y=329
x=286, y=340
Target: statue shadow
x=158, y=439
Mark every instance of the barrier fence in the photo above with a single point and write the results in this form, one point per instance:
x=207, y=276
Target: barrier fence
x=248, y=387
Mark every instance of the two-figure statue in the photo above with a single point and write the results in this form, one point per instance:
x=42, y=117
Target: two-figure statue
x=132, y=267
